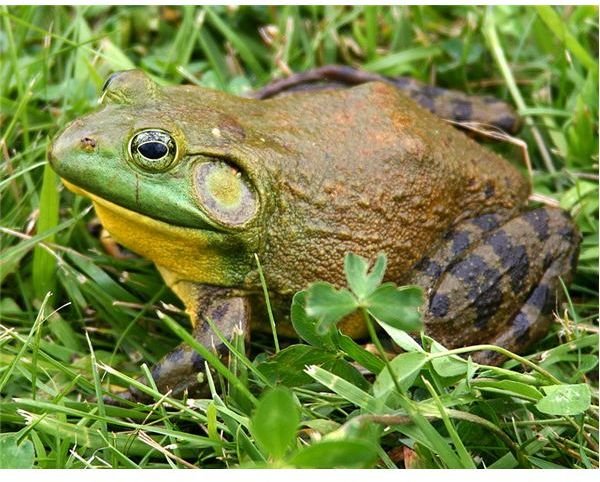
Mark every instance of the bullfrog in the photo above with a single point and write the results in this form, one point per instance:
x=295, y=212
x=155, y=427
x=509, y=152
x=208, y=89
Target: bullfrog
x=199, y=181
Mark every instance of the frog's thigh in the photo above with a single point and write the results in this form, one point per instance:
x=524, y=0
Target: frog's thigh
x=496, y=282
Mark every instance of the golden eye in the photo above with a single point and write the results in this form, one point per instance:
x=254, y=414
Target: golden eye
x=153, y=150
x=225, y=193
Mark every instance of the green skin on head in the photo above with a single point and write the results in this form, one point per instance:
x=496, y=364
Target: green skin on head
x=301, y=180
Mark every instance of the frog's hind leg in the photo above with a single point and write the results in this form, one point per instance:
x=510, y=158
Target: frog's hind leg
x=531, y=322
x=496, y=282
x=181, y=370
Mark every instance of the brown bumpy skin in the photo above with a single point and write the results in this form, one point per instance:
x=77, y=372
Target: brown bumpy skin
x=391, y=177
x=445, y=103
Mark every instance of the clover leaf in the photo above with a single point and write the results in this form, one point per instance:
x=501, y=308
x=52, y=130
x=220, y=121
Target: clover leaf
x=387, y=303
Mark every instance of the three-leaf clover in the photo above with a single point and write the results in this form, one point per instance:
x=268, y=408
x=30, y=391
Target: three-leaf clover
x=387, y=303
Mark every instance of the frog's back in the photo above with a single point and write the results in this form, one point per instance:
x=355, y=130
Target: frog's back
x=367, y=170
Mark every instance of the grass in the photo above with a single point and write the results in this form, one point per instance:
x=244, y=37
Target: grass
x=99, y=324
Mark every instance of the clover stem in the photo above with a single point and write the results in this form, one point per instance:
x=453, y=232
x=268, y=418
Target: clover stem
x=411, y=407
x=379, y=346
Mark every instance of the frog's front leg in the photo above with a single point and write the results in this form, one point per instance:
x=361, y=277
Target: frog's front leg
x=496, y=281
x=178, y=371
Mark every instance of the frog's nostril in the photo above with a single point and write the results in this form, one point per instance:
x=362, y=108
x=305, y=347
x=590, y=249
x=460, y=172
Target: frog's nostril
x=87, y=143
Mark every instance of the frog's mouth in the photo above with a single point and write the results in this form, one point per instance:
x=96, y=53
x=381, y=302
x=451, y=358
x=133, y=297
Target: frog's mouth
x=194, y=254
x=129, y=215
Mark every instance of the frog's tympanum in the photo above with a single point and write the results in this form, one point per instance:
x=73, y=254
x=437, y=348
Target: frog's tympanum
x=199, y=180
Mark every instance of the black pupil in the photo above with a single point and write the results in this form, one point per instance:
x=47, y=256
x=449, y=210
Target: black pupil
x=153, y=150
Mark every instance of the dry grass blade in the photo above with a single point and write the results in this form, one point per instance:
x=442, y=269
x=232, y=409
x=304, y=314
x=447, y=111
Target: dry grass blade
x=144, y=437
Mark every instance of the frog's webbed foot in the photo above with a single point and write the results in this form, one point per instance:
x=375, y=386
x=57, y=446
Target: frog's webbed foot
x=181, y=371
x=447, y=104
x=496, y=282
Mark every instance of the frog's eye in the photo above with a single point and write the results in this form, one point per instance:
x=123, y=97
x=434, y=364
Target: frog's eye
x=225, y=194
x=153, y=150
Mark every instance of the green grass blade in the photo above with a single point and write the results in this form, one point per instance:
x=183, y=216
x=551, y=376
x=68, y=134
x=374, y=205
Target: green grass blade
x=44, y=263
x=558, y=27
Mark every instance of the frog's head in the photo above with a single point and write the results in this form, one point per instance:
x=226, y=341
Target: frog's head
x=168, y=177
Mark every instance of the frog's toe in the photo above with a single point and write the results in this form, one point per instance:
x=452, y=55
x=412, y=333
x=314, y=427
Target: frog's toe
x=177, y=374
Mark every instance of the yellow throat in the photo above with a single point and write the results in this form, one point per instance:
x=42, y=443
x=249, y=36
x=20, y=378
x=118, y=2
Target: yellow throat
x=191, y=254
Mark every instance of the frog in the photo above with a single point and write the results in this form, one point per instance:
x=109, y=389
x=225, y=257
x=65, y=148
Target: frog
x=204, y=182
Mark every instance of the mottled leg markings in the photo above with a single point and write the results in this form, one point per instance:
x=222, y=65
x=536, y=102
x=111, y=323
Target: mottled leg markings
x=530, y=324
x=177, y=371
x=450, y=250
x=496, y=281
